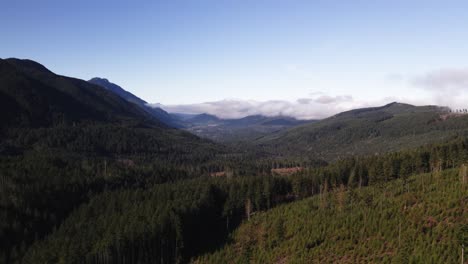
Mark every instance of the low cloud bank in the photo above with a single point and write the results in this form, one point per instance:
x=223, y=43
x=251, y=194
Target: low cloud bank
x=317, y=107
x=449, y=87
x=443, y=80
x=444, y=87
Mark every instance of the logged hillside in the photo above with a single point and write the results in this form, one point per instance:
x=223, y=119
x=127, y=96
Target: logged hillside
x=422, y=219
x=367, y=131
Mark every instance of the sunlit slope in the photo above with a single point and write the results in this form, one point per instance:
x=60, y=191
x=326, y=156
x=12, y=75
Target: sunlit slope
x=421, y=221
x=367, y=131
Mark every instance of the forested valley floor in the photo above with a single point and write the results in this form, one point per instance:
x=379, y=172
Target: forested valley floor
x=405, y=205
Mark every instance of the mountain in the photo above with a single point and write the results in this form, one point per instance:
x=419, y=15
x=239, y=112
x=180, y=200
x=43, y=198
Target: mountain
x=241, y=129
x=368, y=131
x=156, y=112
x=118, y=90
x=87, y=176
x=64, y=140
x=34, y=99
x=33, y=96
x=203, y=120
x=206, y=125
x=183, y=116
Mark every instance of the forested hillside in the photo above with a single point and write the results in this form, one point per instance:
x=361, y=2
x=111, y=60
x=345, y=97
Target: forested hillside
x=421, y=219
x=65, y=140
x=89, y=177
x=195, y=217
x=367, y=131
x=33, y=96
x=233, y=132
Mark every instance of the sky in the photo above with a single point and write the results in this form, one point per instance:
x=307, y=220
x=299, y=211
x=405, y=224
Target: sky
x=306, y=59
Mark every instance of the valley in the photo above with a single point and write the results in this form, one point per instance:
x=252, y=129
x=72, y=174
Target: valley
x=91, y=174
x=233, y=132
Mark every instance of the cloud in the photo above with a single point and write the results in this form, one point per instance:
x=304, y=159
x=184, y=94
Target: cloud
x=303, y=108
x=395, y=77
x=444, y=80
x=304, y=100
x=324, y=99
x=448, y=87
x=444, y=87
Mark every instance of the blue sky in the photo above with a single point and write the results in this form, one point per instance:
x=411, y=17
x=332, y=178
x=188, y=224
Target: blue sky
x=194, y=51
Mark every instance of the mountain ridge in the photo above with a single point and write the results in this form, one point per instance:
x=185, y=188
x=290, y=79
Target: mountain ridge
x=367, y=131
x=39, y=96
x=156, y=112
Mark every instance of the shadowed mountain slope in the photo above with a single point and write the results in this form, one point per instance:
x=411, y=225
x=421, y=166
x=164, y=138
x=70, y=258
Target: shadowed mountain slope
x=156, y=112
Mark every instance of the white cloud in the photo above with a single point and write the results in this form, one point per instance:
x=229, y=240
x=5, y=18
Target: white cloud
x=448, y=87
x=444, y=80
x=317, y=107
x=444, y=87
x=325, y=99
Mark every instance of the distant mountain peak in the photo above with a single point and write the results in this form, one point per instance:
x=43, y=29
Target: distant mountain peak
x=390, y=104
x=203, y=118
x=99, y=79
x=396, y=104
